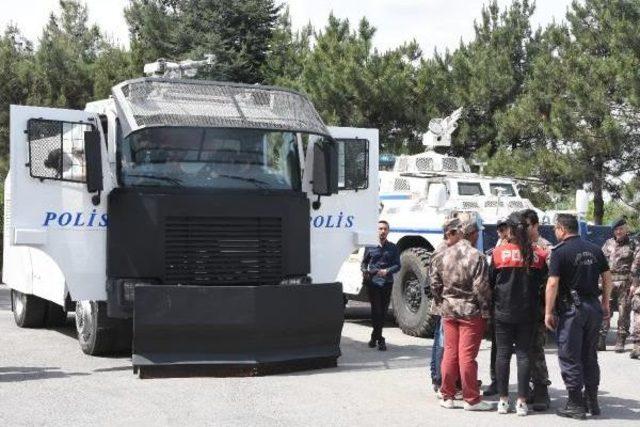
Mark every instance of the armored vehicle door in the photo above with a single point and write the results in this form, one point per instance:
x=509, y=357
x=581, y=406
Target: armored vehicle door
x=54, y=231
x=345, y=221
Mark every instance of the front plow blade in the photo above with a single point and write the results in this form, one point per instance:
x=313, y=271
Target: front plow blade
x=235, y=330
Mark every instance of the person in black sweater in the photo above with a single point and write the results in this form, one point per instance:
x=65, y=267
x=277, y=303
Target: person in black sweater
x=378, y=266
x=518, y=268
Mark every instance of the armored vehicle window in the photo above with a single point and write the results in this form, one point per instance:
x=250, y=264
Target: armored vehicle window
x=56, y=150
x=210, y=158
x=505, y=189
x=470, y=189
x=353, y=164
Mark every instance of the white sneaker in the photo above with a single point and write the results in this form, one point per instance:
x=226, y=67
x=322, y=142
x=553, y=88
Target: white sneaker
x=480, y=406
x=439, y=395
x=458, y=395
x=521, y=409
x=447, y=403
x=503, y=407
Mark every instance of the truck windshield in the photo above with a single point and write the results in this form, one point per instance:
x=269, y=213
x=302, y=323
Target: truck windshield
x=210, y=158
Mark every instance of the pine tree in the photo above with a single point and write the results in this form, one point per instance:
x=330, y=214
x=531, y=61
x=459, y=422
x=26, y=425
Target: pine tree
x=236, y=33
x=581, y=100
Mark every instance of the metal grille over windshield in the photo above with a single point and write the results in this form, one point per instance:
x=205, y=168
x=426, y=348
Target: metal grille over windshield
x=153, y=102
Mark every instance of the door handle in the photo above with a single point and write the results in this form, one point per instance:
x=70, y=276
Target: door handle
x=27, y=236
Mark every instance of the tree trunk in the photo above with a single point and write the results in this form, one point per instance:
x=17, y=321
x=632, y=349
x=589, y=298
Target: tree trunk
x=597, y=182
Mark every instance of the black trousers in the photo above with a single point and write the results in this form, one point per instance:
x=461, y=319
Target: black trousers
x=577, y=337
x=508, y=337
x=379, y=297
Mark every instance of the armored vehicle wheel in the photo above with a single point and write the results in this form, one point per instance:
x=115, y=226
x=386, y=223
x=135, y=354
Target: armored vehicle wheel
x=99, y=334
x=55, y=315
x=28, y=310
x=411, y=306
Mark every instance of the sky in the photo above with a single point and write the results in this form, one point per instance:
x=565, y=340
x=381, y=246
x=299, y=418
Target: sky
x=432, y=23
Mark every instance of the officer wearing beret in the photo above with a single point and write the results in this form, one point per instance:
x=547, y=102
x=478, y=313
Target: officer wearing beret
x=572, y=306
x=623, y=256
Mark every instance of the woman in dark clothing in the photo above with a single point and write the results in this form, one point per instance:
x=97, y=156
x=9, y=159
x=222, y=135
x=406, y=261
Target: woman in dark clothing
x=517, y=271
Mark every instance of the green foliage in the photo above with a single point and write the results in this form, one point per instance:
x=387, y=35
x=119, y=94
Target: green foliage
x=349, y=82
x=485, y=76
x=579, y=100
x=237, y=33
x=15, y=66
x=614, y=210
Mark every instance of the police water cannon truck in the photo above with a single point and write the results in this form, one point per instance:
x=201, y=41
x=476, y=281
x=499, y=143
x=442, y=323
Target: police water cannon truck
x=194, y=223
x=416, y=197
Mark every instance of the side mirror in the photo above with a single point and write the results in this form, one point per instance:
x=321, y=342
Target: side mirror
x=93, y=162
x=325, y=168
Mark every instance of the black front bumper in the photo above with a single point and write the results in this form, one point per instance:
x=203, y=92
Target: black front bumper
x=236, y=329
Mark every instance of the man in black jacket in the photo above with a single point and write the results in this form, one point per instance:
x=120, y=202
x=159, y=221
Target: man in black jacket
x=379, y=264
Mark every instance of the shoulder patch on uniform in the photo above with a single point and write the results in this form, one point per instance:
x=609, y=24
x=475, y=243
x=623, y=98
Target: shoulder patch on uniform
x=557, y=246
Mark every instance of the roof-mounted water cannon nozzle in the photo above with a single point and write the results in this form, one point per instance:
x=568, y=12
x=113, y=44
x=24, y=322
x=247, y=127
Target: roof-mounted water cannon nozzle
x=440, y=130
x=177, y=70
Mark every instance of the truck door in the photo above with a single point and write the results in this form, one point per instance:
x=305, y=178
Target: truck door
x=53, y=220
x=347, y=220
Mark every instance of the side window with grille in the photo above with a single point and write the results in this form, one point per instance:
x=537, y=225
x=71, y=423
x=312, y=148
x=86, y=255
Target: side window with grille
x=353, y=164
x=56, y=150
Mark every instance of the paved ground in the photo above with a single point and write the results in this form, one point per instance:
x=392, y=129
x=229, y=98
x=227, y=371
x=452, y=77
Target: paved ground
x=46, y=380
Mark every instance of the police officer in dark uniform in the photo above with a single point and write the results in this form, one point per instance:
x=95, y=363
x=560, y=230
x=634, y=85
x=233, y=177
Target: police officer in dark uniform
x=572, y=292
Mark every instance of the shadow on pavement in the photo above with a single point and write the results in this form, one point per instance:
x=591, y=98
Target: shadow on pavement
x=5, y=298
x=357, y=356
x=114, y=369
x=613, y=408
x=68, y=330
x=618, y=408
x=17, y=374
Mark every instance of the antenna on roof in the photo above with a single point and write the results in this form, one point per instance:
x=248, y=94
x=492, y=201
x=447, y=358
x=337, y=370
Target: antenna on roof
x=177, y=70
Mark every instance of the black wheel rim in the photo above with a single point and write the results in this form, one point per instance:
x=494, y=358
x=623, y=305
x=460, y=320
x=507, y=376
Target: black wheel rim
x=411, y=292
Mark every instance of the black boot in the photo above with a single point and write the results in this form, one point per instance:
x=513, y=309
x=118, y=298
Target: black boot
x=382, y=345
x=541, y=400
x=591, y=400
x=372, y=342
x=574, y=407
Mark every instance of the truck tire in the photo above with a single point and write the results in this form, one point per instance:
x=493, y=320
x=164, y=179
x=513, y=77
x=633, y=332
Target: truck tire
x=411, y=307
x=55, y=315
x=28, y=310
x=98, y=334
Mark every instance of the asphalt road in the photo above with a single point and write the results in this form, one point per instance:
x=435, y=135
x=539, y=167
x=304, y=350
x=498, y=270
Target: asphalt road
x=46, y=380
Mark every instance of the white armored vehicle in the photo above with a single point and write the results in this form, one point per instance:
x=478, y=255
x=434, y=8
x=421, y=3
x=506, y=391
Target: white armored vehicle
x=202, y=223
x=416, y=197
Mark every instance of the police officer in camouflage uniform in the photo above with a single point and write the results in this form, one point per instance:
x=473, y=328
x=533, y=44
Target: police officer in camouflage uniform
x=623, y=256
x=462, y=294
x=635, y=307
